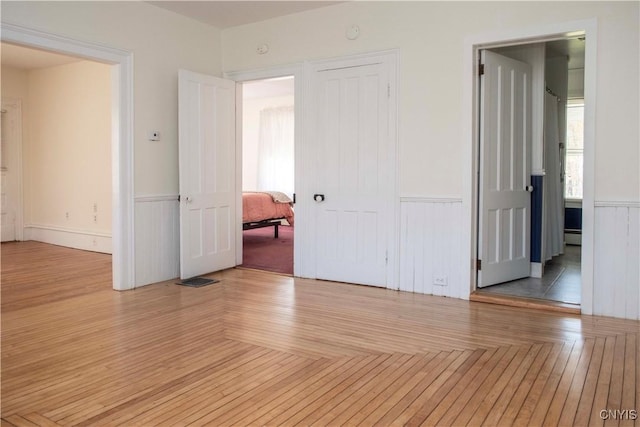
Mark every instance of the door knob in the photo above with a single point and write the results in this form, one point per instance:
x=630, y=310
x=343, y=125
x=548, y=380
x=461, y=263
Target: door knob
x=529, y=188
x=189, y=199
x=318, y=197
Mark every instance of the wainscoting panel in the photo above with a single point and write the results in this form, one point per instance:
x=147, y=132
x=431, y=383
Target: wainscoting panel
x=157, y=242
x=616, y=287
x=431, y=256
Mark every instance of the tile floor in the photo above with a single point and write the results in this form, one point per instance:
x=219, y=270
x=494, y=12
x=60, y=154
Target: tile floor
x=560, y=282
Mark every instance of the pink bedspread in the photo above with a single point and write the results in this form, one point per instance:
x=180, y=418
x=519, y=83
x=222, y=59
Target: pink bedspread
x=260, y=206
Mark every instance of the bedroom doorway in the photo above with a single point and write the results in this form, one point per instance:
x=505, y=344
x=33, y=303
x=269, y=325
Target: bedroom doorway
x=268, y=174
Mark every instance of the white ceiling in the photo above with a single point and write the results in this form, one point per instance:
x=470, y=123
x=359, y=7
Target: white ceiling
x=25, y=58
x=225, y=14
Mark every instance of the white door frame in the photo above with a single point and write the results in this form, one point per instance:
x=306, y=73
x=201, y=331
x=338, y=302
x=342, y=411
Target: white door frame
x=472, y=46
x=123, y=262
x=295, y=70
x=16, y=164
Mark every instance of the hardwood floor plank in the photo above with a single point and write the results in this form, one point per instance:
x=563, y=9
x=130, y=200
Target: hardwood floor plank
x=630, y=380
x=261, y=403
x=540, y=397
x=477, y=408
x=471, y=396
x=462, y=390
x=614, y=398
x=586, y=405
x=323, y=391
x=264, y=349
x=554, y=410
x=18, y=421
x=40, y=420
x=390, y=395
x=426, y=386
x=517, y=384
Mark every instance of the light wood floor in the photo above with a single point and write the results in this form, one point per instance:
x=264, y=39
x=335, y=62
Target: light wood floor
x=263, y=349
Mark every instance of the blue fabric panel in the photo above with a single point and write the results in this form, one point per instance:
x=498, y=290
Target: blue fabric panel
x=536, y=218
x=573, y=218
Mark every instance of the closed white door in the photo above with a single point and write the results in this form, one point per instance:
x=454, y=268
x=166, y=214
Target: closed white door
x=11, y=171
x=207, y=173
x=355, y=164
x=505, y=144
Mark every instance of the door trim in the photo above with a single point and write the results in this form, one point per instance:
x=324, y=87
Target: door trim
x=123, y=257
x=543, y=33
x=16, y=104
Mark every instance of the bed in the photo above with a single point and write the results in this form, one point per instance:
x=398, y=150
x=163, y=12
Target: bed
x=266, y=209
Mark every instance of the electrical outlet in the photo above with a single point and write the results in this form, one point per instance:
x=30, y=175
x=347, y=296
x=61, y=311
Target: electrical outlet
x=66, y=215
x=440, y=280
x=95, y=219
x=95, y=207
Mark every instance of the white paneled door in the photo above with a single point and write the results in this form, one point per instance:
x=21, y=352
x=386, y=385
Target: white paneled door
x=505, y=144
x=355, y=172
x=207, y=173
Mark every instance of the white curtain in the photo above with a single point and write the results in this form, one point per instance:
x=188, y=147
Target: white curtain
x=554, y=199
x=275, y=150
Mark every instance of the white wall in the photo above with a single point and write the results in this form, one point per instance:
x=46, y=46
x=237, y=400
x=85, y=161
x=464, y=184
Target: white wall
x=67, y=157
x=66, y=152
x=162, y=42
x=430, y=37
x=13, y=83
x=251, y=108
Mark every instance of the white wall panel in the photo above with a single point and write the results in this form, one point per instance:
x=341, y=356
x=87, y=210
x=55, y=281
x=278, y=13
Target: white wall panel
x=616, y=288
x=430, y=247
x=157, y=243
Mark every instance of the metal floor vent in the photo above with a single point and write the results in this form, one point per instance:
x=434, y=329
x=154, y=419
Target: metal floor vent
x=197, y=282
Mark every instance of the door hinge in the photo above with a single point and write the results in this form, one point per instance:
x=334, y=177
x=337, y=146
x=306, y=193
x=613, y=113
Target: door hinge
x=479, y=264
x=481, y=69
x=386, y=257
x=388, y=90
x=178, y=197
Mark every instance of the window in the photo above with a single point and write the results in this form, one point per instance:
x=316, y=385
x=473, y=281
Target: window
x=575, y=149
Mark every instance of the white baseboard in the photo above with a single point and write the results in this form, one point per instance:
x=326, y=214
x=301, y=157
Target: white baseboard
x=573, y=239
x=77, y=239
x=536, y=270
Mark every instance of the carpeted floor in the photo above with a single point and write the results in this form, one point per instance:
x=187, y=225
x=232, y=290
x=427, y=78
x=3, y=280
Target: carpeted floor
x=262, y=252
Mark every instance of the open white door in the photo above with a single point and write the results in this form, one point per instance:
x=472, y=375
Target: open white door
x=355, y=170
x=207, y=173
x=505, y=145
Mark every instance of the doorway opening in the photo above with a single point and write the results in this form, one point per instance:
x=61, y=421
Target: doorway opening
x=556, y=178
x=121, y=84
x=56, y=146
x=268, y=174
